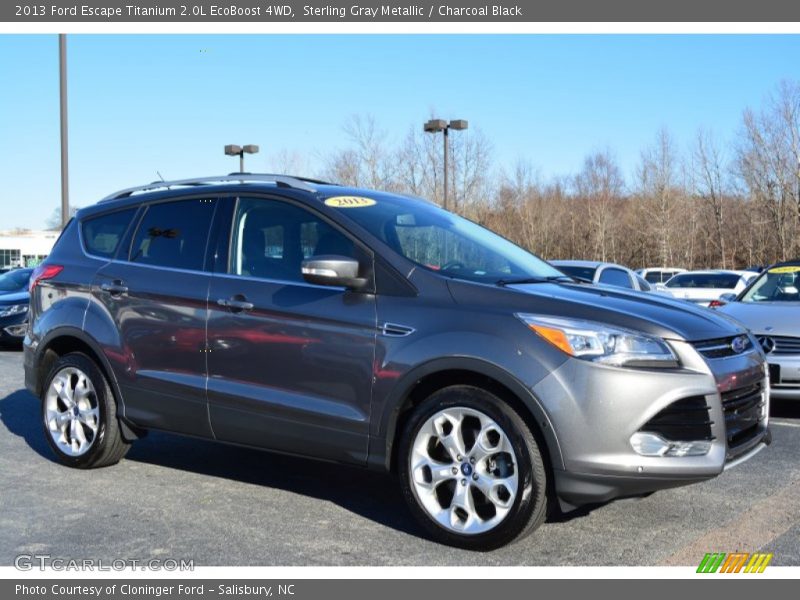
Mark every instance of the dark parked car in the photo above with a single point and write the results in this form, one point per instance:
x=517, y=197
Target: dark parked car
x=14, y=305
x=374, y=329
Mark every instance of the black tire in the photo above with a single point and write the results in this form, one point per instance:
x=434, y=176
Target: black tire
x=107, y=445
x=529, y=508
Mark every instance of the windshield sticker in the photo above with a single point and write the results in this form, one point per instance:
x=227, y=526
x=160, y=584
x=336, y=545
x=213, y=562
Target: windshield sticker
x=349, y=202
x=795, y=269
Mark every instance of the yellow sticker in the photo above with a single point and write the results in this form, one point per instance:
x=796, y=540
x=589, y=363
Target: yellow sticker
x=349, y=202
x=785, y=270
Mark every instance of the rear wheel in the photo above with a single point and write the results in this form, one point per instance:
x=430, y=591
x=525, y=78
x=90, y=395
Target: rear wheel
x=79, y=414
x=471, y=470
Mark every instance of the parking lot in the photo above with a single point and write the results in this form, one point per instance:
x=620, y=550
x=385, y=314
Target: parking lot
x=182, y=498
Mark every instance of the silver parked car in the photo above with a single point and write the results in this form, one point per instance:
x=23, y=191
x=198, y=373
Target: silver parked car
x=605, y=273
x=770, y=307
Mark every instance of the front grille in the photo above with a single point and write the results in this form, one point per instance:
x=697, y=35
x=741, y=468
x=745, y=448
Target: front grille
x=682, y=421
x=720, y=347
x=744, y=413
x=785, y=345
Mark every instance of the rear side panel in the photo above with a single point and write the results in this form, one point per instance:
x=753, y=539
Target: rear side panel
x=61, y=302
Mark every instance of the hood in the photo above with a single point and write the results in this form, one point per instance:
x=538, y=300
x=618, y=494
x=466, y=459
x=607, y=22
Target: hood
x=772, y=318
x=639, y=311
x=16, y=297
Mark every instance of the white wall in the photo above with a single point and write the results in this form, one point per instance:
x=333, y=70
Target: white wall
x=32, y=243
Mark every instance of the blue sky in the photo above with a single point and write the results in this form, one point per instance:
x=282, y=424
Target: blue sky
x=145, y=103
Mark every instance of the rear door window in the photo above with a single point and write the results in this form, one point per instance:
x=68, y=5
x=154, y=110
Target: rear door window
x=174, y=234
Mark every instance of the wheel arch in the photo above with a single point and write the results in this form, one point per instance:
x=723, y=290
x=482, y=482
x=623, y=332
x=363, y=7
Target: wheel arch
x=65, y=340
x=426, y=379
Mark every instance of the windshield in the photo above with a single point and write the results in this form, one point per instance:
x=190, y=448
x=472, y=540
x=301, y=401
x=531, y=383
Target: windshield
x=14, y=281
x=781, y=284
x=446, y=243
x=704, y=280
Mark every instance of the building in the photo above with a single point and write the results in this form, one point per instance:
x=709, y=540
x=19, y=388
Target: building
x=24, y=247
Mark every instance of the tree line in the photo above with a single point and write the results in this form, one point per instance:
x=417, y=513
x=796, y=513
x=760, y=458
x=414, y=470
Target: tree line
x=715, y=204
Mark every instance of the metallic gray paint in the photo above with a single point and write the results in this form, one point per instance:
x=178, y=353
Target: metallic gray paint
x=310, y=370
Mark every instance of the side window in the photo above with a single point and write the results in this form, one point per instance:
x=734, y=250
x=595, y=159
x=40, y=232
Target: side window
x=272, y=238
x=654, y=277
x=618, y=277
x=102, y=235
x=174, y=234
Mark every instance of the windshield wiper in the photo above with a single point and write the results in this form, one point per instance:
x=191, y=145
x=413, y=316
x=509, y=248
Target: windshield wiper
x=521, y=280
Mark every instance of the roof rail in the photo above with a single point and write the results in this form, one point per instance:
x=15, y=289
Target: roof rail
x=279, y=180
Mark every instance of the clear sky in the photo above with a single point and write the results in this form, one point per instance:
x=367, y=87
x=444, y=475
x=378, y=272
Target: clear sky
x=145, y=103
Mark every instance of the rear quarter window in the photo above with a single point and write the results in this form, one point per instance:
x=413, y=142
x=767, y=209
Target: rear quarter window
x=102, y=235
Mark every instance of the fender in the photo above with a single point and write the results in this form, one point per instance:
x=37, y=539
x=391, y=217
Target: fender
x=380, y=450
x=72, y=331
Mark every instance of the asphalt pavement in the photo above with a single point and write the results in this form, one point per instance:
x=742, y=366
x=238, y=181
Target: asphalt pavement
x=181, y=498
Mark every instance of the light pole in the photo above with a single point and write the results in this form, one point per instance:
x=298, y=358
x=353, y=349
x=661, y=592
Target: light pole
x=437, y=125
x=234, y=150
x=62, y=72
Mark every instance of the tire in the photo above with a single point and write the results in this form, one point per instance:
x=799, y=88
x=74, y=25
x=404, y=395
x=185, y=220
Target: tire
x=79, y=414
x=471, y=503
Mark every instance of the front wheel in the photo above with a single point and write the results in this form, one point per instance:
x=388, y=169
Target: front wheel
x=471, y=470
x=79, y=414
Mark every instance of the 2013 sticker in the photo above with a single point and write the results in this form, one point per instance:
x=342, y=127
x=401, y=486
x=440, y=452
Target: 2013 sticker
x=349, y=202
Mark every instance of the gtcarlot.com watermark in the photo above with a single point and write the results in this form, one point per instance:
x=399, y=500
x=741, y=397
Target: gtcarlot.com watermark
x=42, y=562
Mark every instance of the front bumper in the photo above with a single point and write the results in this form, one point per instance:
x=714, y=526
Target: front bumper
x=595, y=409
x=784, y=376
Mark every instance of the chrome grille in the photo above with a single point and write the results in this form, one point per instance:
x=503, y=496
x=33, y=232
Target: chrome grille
x=719, y=347
x=785, y=345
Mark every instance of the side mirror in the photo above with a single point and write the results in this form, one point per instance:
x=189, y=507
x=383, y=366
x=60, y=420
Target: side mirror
x=729, y=297
x=334, y=270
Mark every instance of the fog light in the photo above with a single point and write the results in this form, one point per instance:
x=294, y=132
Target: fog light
x=16, y=330
x=651, y=444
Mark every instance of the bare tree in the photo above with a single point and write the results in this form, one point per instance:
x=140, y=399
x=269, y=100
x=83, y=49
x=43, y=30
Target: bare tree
x=599, y=185
x=710, y=185
x=657, y=189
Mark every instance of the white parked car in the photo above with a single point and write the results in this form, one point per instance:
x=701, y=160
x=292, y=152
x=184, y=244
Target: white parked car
x=704, y=287
x=654, y=275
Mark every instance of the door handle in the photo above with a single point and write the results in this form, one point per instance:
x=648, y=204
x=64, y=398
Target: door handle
x=237, y=303
x=116, y=289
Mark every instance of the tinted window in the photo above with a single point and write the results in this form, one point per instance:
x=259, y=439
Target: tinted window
x=271, y=239
x=654, y=277
x=618, y=277
x=584, y=273
x=174, y=234
x=704, y=280
x=102, y=235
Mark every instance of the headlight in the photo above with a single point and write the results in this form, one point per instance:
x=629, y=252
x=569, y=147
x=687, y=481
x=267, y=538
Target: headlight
x=13, y=310
x=602, y=343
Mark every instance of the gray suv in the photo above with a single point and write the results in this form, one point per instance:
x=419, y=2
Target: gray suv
x=378, y=330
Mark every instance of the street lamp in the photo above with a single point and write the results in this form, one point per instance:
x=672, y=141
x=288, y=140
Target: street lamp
x=437, y=125
x=234, y=150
